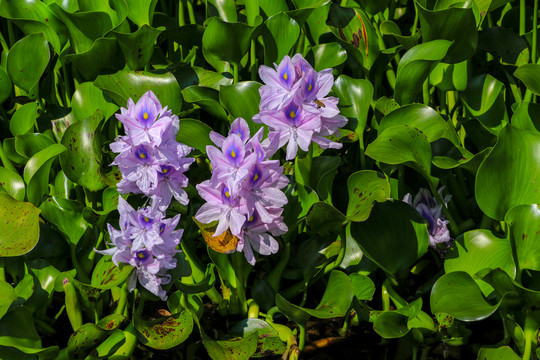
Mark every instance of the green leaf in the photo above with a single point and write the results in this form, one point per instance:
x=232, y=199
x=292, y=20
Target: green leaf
x=391, y=28
x=327, y=56
x=207, y=98
x=102, y=57
x=138, y=47
x=5, y=85
x=23, y=336
x=81, y=162
x=449, y=77
x=484, y=98
x=28, y=145
x=141, y=12
x=509, y=175
x=477, y=250
x=272, y=7
x=24, y=119
x=26, y=62
x=7, y=296
x=84, y=340
x=165, y=332
x=226, y=9
x=87, y=99
x=107, y=275
x=402, y=144
x=500, y=353
x=355, y=97
x=415, y=67
x=66, y=215
x=530, y=75
x=457, y=25
x=111, y=322
x=420, y=116
x=39, y=159
x=133, y=84
x=204, y=285
x=362, y=286
x=194, y=75
x=365, y=187
x=268, y=338
x=19, y=226
x=110, y=345
x=523, y=221
x=225, y=42
x=323, y=217
x=242, y=100
x=371, y=6
x=318, y=251
x=457, y=294
x=335, y=302
x=12, y=183
x=527, y=116
x=401, y=234
x=194, y=133
x=280, y=36
x=391, y=325
x=240, y=348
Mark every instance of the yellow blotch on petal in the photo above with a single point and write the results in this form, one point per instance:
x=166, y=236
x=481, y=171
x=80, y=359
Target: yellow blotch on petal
x=250, y=218
x=285, y=76
x=233, y=154
x=227, y=194
x=309, y=87
x=292, y=114
x=145, y=115
x=140, y=255
x=255, y=177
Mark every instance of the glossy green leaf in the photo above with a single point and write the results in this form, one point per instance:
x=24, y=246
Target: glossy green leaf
x=527, y=116
x=415, y=67
x=40, y=158
x=391, y=325
x=272, y=7
x=323, y=217
x=110, y=345
x=107, y=275
x=402, y=144
x=19, y=226
x=335, y=302
x=111, y=322
x=420, y=116
x=138, y=46
x=354, y=28
x=503, y=43
x=362, y=286
x=449, y=77
x=7, y=296
x=239, y=348
x=391, y=28
x=241, y=100
x=524, y=223
x=509, y=175
x=268, y=338
x=315, y=25
x=194, y=75
x=84, y=340
x=102, y=57
x=5, y=85
x=22, y=336
x=320, y=250
x=457, y=294
x=225, y=42
x=87, y=99
x=24, y=119
x=281, y=35
x=194, y=133
x=500, y=353
x=365, y=187
x=401, y=234
x=66, y=215
x=141, y=12
x=327, y=56
x=484, y=98
x=461, y=158
x=27, y=60
x=165, y=332
x=82, y=161
x=116, y=9
x=28, y=145
x=321, y=176
x=12, y=183
x=204, y=285
x=477, y=250
x=529, y=74
x=133, y=84
x=225, y=9
x=457, y=25
x=355, y=97
x=207, y=98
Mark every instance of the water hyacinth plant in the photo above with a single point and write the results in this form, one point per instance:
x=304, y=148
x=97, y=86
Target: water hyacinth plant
x=269, y=179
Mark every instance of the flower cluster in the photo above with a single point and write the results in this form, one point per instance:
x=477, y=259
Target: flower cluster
x=150, y=159
x=431, y=211
x=152, y=163
x=147, y=241
x=244, y=194
x=295, y=107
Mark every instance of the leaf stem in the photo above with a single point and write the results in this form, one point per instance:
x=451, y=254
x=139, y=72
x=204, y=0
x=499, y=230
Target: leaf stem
x=385, y=297
x=197, y=273
x=190, y=12
x=238, y=265
x=181, y=16
x=235, y=73
x=534, y=32
x=522, y=14
x=530, y=330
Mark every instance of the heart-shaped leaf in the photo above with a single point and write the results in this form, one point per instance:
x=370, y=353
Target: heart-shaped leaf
x=19, y=226
x=107, y=275
x=165, y=332
x=365, y=187
x=530, y=75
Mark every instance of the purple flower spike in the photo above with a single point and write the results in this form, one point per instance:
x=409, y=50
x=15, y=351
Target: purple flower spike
x=431, y=211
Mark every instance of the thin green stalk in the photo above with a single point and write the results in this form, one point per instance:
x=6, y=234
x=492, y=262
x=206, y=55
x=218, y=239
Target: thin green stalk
x=530, y=331
x=191, y=13
x=238, y=265
x=534, y=31
x=253, y=60
x=67, y=85
x=362, y=151
x=301, y=337
x=81, y=274
x=415, y=23
x=385, y=297
x=5, y=46
x=11, y=34
x=522, y=7
x=235, y=72
x=253, y=309
x=425, y=92
x=181, y=16
x=197, y=272
x=122, y=301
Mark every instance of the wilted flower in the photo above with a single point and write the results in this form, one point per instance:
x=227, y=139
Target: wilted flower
x=147, y=242
x=431, y=211
x=295, y=107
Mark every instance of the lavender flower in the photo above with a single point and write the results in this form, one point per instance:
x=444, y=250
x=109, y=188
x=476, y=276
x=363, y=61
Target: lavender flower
x=295, y=107
x=150, y=159
x=431, y=211
x=244, y=193
x=147, y=242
